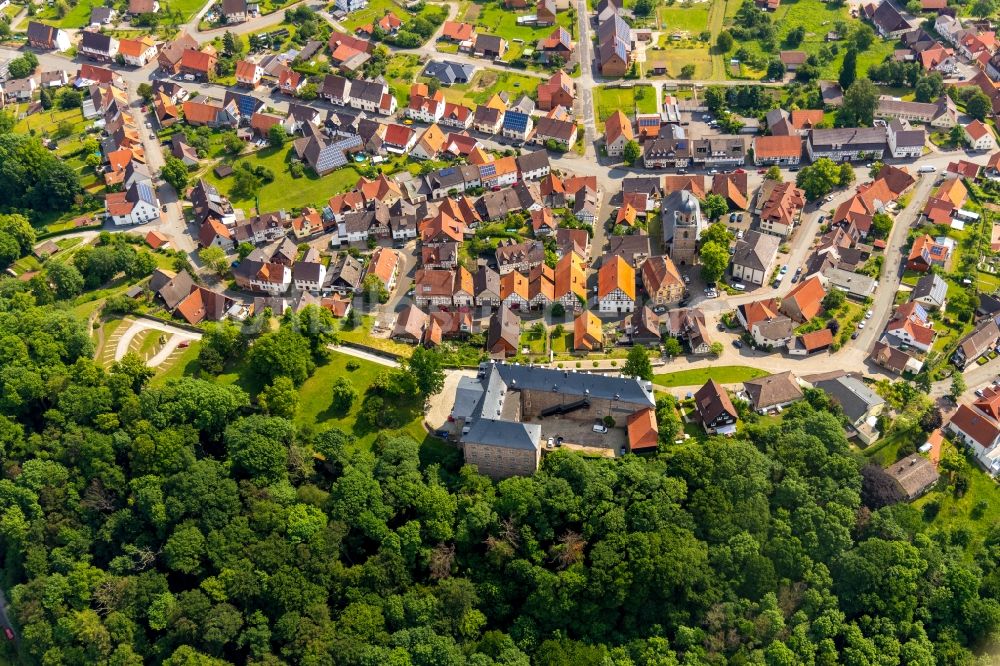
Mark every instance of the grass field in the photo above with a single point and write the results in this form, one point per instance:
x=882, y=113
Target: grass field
x=486, y=82
x=286, y=192
x=724, y=374
x=696, y=54
x=400, y=73
x=608, y=100
x=955, y=512
x=361, y=334
x=692, y=19
x=315, y=401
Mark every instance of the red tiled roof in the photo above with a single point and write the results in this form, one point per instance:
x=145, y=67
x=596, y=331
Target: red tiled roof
x=642, y=431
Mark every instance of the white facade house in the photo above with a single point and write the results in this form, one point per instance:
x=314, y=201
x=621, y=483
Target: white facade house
x=308, y=276
x=275, y=287
x=425, y=109
x=616, y=301
x=979, y=136
x=138, y=205
x=980, y=433
x=905, y=143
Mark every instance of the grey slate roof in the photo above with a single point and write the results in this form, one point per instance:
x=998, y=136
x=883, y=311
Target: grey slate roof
x=449, y=72
x=506, y=434
x=756, y=250
x=851, y=393
x=931, y=287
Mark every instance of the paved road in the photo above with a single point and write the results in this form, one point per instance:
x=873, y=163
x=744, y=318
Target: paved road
x=357, y=353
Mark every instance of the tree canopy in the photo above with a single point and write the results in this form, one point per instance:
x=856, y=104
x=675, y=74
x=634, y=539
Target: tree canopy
x=177, y=521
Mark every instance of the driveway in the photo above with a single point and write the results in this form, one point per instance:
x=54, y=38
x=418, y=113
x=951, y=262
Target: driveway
x=177, y=336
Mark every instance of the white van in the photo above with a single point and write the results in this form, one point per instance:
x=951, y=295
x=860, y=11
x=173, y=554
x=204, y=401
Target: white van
x=739, y=286
x=927, y=168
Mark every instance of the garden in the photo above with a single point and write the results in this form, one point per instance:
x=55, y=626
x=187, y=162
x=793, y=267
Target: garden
x=630, y=100
x=724, y=374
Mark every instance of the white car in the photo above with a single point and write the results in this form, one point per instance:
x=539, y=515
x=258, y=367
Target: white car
x=868, y=315
x=600, y=428
x=687, y=280
x=861, y=324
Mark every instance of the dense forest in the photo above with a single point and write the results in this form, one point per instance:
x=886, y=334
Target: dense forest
x=179, y=523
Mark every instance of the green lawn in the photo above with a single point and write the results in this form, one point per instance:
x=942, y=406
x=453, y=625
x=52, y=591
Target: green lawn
x=185, y=365
x=691, y=53
x=375, y=10
x=361, y=334
x=563, y=343
x=286, y=192
x=534, y=342
x=818, y=18
x=692, y=19
x=988, y=282
x=486, y=82
x=400, y=73
x=315, y=399
x=956, y=512
x=724, y=374
x=79, y=16
x=637, y=99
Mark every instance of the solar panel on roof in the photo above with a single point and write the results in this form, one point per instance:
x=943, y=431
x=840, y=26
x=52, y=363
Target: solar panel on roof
x=515, y=120
x=488, y=170
x=145, y=192
x=447, y=172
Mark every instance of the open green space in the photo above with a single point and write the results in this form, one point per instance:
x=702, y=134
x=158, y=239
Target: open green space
x=315, y=400
x=956, y=512
x=285, y=191
x=675, y=58
x=361, y=334
x=562, y=343
x=400, y=72
x=533, y=341
x=724, y=374
x=487, y=82
x=632, y=100
x=680, y=17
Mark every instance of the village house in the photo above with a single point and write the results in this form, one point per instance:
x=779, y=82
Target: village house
x=616, y=286
x=47, y=37
x=715, y=409
x=773, y=392
x=846, y=144
x=661, y=280
x=780, y=150
x=754, y=257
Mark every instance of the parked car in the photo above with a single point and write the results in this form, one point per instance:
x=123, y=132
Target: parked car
x=721, y=326
x=738, y=344
x=9, y=633
x=600, y=427
x=868, y=315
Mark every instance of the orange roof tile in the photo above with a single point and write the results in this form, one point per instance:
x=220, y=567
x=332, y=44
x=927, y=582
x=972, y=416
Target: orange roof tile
x=616, y=273
x=643, y=434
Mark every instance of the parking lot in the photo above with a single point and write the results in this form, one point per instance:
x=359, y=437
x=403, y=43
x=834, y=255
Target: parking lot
x=581, y=433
